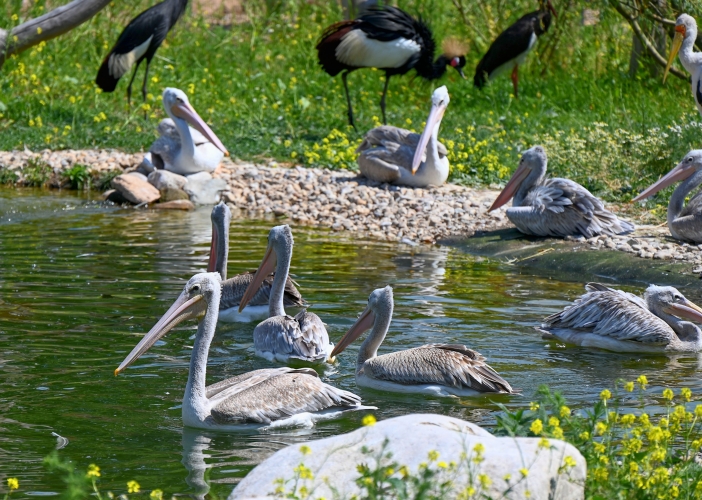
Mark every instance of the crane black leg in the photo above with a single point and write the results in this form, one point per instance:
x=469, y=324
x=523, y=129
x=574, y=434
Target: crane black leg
x=515, y=80
x=129, y=89
x=348, y=99
x=382, y=99
x=143, y=87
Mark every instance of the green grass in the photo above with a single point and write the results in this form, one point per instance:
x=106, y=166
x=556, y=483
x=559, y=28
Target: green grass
x=259, y=86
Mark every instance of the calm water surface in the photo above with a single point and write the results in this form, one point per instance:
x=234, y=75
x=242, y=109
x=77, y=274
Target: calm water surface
x=81, y=283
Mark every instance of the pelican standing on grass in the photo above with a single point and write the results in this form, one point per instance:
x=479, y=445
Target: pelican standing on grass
x=273, y=396
x=233, y=288
x=684, y=221
x=436, y=369
x=182, y=149
x=394, y=155
x=684, y=42
x=554, y=207
x=282, y=337
x=622, y=322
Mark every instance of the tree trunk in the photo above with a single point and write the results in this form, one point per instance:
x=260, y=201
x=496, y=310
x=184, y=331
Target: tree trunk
x=48, y=26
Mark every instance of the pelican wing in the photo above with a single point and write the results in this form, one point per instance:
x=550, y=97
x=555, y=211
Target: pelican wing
x=267, y=395
x=451, y=365
x=233, y=290
x=167, y=128
x=284, y=336
x=693, y=207
x=164, y=150
x=386, y=136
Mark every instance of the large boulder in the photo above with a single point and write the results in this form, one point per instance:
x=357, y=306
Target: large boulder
x=135, y=189
x=410, y=439
x=163, y=179
x=203, y=189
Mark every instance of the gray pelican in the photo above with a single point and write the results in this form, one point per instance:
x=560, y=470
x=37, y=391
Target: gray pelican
x=554, y=207
x=180, y=148
x=684, y=222
x=684, y=42
x=394, y=155
x=622, y=322
x=436, y=369
x=267, y=397
x=233, y=288
x=282, y=337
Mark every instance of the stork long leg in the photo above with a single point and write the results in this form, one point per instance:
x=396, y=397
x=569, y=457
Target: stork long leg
x=382, y=99
x=143, y=86
x=515, y=80
x=348, y=99
x=129, y=88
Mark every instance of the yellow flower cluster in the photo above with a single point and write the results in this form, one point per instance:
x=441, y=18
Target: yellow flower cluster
x=336, y=151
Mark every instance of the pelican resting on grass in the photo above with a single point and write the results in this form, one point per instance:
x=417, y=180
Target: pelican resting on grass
x=267, y=397
x=397, y=156
x=282, y=337
x=619, y=321
x=435, y=369
x=684, y=43
x=233, y=288
x=553, y=206
x=684, y=221
x=184, y=149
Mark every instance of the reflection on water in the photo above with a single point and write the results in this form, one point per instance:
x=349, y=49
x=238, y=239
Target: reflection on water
x=81, y=284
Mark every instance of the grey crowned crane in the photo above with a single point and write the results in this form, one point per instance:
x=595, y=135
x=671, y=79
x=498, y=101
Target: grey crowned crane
x=685, y=36
x=389, y=39
x=512, y=46
x=138, y=41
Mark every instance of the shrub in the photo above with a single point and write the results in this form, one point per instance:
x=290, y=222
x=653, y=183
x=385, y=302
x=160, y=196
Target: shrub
x=77, y=176
x=37, y=172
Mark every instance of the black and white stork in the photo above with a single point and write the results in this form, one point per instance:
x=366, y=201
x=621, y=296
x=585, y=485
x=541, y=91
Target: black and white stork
x=138, y=41
x=512, y=46
x=389, y=39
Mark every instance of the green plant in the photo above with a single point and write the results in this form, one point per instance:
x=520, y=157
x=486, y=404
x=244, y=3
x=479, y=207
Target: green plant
x=105, y=180
x=8, y=176
x=37, y=172
x=78, y=176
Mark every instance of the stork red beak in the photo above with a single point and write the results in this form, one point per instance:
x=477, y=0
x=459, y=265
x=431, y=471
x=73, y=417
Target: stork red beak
x=680, y=33
x=187, y=112
x=680, y=172
x=508, y=192
x=435, y=116
x=549, y=6
x=363, y=323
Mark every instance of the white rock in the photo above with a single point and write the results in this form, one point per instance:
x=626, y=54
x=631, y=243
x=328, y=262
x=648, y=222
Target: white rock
x=134, y=189
x=163, y=179
x=203, y=189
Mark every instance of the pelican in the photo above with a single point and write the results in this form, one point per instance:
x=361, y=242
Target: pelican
x=394, y=155
x=684, y=42
x=233, y=288
x=282, y=337
x=684, y=222
x=622, y=322
x=266, y=397
x=554, y=207
x=180, y=148
x=435, y=369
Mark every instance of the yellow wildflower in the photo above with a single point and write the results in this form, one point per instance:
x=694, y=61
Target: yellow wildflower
x=668, y=394
x=553, y=422
x=433, y=455
x=368, y=420
x=605, y=395
x=564, y=412
x=39, y=30
x=600, y=428
x=442, y=465
x=14, y=17
x=544, y=443
x=569, y=462
x=305, y=450
x=643, y=381
x=686, y=393
x=485, y=481
x=537, y=426
x=156, y=495
x=12, y=483
x=133, y=487
x=524, y=472
x=93, y=471
x=629, y=386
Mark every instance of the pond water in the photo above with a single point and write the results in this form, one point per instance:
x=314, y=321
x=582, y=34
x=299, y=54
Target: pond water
x=81, y=283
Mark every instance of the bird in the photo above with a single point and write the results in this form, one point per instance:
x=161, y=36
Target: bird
x=266, y=397
x=684, y=43
x=435, y=369
x=389, y=39
x=512, y=46
x=684, y=221
x=553, y=206
x=233, y=288
x=187, y=145
x=282, y=337
x=138, y=41
x=394, y=155
x=618, y=321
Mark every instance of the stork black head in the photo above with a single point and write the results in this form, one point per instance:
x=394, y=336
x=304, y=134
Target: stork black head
x=455, y=54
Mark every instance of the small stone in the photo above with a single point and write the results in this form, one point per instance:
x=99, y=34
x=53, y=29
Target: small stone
x=135, y=189
x=663, y=254
x=172, y=194
x=175, y=205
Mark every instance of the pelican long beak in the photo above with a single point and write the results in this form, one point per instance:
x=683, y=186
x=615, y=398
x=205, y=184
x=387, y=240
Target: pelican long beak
x=677, y=43
x=435, y=116
x=688, y=310
x=187, y=112
x=680, y=172
x=508, y=192
x=212, y=263
x=182, y=309
x=267, y=267
x=363, y=323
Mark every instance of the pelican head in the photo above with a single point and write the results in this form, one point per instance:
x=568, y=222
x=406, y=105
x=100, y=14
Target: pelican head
x=221, y=218
x=439, y=102
x=380, y=304
x=178, y=107
x=532, y=159
x=669, y=300
x=689, y=165
x=199, y=292
x=685, y=28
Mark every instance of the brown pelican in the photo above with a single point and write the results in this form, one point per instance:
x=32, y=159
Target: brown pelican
x=394, y=155
x=554, y=207
x=685, y=37
x=270, y=397
x=182, y=149
x=282, y=337
x=622, y=322
x=437, y=369
x=684, y=222
x=233, y=288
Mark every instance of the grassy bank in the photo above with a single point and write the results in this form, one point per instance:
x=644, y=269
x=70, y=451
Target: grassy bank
x=259, y=86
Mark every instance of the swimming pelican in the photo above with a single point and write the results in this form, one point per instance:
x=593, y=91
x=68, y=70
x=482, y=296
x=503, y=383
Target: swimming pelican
x=233, y=288
x=437, y=369
x=394, y=155
x=622, y=322
x=554, y=207
x=282, y=337
x=182, y=149
x=684, y=222
x=271, y=396
x=684, y=42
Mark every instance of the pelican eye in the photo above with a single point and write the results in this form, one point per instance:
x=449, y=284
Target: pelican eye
x=689, y=159
x=195, y=289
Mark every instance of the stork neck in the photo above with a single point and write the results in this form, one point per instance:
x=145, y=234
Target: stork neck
x=535, y=178
x=282, y=268
x=677, y=200
x=431, y=70
x=179, y=8
x=369, y=347
x=688, y=57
